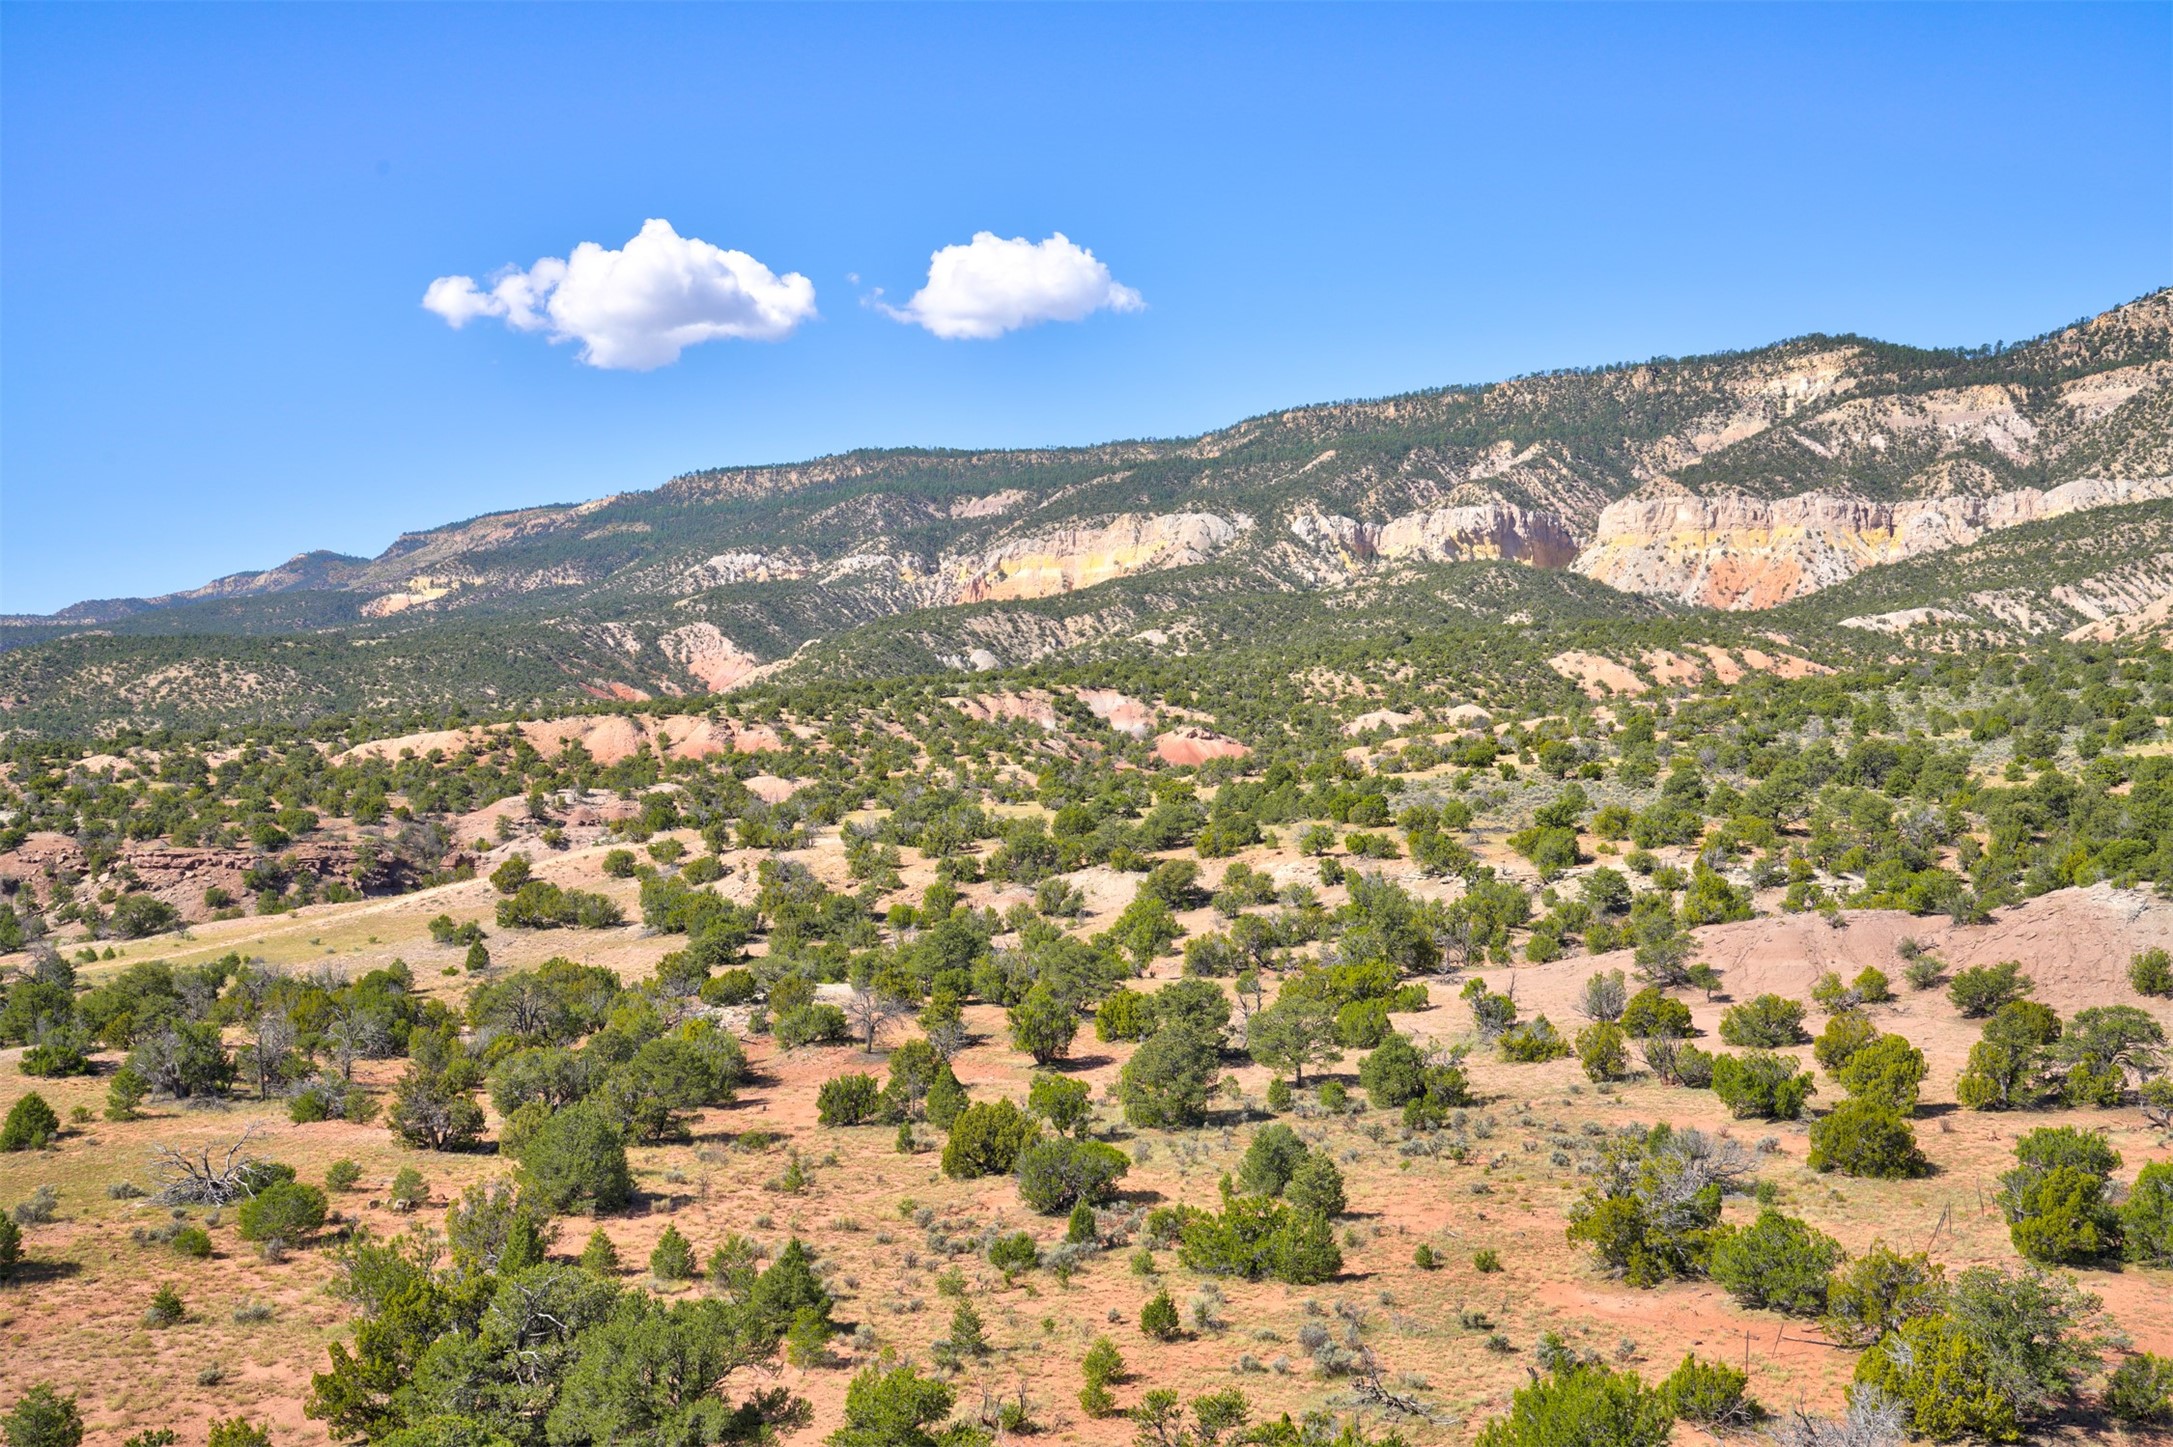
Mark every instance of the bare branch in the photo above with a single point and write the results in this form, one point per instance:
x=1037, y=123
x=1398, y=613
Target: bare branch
x=186, y=1179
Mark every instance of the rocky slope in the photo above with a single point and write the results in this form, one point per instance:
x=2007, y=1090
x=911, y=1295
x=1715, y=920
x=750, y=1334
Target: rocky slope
x=1740, y=481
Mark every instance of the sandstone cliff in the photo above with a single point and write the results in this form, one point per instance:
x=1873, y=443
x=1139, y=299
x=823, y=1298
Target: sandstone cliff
x=1739, y=552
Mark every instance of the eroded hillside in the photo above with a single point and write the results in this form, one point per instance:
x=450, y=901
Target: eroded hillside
x=1737, y=482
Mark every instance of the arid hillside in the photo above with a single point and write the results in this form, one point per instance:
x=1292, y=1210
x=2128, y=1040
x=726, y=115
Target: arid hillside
x=1716, y=1034
x=1728, y=484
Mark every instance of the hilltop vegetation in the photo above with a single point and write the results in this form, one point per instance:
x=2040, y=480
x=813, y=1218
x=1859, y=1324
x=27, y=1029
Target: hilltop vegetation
x=1130, y=1048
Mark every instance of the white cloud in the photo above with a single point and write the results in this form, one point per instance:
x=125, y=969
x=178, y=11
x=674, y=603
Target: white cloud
x=991, y=286
x=637, y=308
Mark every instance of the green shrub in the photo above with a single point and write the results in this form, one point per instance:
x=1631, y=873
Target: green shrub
x=125, y=1092
x=1423, y=1257
x=986, y=1139
x=1877, y=1292
x=1776, y=1262
x=2151, y=972
x=1100, y=1367
x=1865, y=1137
x=238, y=1432
x=1014, y=1253
x=2100, y=1046
x=1579, y=1405
x=1533, y=1042
x=1043, y=1024
x=193, y=1242
x=577, y=1157
x=1844, y=1035
x=1169, y=1079
x=967, y=1338
x=30, y=1125
x=1486, y=1261
x=342, y=1175
x=11, y=1247
x=1066, y=1104
x=1259, y=1237
x=2140, y=1390
x=673, y=1258
x=60, y=1053
x=1158, y=1318
x=1872, y=986
x=42, y=1417
x=1711, y=1394
x=599, y=1256
x=893, y=1408
x=1446, y=1090
x=1924, y=972
x=1984, y=989
x=408, y=1191
x=812, y=1025
x=1270, y=1159
x=735, y=986
x=852, y=1099
x=1888, y=1071
x=1762, y=1084
x=1080, y=1227
x=166, y=1308
x=946, y=1100
x=1395, y=1072
x=2146, y=1217
x=1316, y=1187
x=1678, y=1062
x=788, y=1288
x=1280, y=1096
x=539, y=904
x=1650, y=1013
x=1763, y=1023
x=1124, y=1014
x=1652, y=1207
x=1058, y=1174
x=2056, y=1198
x=1943, y=1378
x=286, y=1213
x=137, y=915
x=1603, y=1048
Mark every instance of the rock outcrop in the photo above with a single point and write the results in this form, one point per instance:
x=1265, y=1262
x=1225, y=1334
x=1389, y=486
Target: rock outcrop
x=181, y=876
x=1075, y=556
x=1739, y=552
x=703, y=651
x=1484, y=531
x=1191, y=744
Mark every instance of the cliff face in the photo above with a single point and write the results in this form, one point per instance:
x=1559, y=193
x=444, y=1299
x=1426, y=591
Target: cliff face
x=1063, y=560
x=1738, y=552
x=1487, y=531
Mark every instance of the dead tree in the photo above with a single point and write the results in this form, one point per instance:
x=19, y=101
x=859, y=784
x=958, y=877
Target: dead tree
x=1367, y=1376
x=198, y=1179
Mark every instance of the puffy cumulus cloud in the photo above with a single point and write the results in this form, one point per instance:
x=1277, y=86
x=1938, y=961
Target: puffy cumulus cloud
x=991, y=286
x=637, y=308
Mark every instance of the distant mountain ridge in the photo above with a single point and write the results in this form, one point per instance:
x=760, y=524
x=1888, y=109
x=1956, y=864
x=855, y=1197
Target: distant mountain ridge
x=1740, y=481
x=313, y=570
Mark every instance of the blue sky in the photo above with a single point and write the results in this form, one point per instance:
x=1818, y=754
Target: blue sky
x=217, y=225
